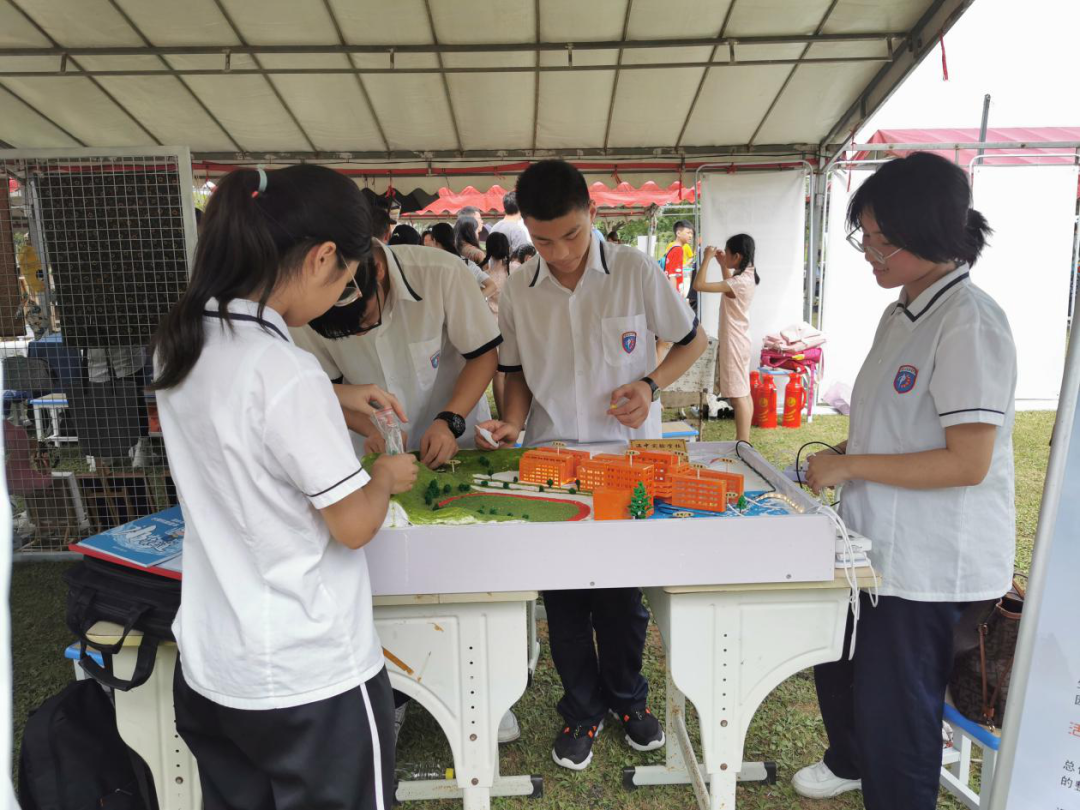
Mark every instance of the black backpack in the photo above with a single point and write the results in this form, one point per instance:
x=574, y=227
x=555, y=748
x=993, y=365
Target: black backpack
x=73, y=758
x=104, y=591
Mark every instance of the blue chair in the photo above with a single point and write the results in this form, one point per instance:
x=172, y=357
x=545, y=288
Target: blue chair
x=956, y=762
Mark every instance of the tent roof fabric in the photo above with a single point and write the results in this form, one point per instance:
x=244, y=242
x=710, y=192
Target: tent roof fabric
x=623, y=195
x=348, y=81
x=997, y=157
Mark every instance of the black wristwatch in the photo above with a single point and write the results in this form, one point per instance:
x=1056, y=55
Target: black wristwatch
x=652, y=385
x=454, y=422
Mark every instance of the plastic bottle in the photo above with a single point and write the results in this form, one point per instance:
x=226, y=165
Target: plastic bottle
x=794, y=400
x=755, y=389
x=767, y=403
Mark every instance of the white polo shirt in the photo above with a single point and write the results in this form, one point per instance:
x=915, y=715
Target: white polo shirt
x=274, y=612
x=576, y=347
x=946, y=358
x=435, y=319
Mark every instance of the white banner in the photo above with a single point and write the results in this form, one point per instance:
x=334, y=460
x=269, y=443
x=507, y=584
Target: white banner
x=852, y=302
x=1039, y=765
x=1027, y=266
x=771, y=207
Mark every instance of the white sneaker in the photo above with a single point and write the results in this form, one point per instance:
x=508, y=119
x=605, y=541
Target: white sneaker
x=509, y=730
x=818, y=782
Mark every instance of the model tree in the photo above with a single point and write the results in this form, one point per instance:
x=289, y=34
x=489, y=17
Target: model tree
x=639, y=502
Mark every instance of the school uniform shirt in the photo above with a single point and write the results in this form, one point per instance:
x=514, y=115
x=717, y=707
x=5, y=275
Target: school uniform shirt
x=434, y=320
x=274, y=612
x=947, y=358
x=576, y=347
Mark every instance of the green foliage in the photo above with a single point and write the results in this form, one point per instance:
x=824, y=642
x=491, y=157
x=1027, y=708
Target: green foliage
x=742, y=502
x=463, y=488
x=526, y=517
x=550, y=483
x=447, y=489
x=506, y=485
x=639, y=502
x=573, y=491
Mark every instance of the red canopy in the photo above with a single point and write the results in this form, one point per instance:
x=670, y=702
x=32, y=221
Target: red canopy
x=623, y=195
x=963, y=157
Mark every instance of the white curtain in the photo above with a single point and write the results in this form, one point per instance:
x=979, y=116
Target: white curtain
x=771, y=207
x=851, y=300
x=1027, y=266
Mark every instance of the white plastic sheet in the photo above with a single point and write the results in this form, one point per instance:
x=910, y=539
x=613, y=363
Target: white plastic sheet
x=1027, y=266
x=771, y=207
x=851, y=300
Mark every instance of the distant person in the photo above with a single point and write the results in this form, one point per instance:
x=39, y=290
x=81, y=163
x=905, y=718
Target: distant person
x=428, y=239
x=443, y=235
x=736, y=262
x=497, y=265
x=521, y=255
x=511, y=223
x=404, y=235
x=473, y=213
x=679, y=254
x=613, y=237
x=382, y=223
x=467, y=239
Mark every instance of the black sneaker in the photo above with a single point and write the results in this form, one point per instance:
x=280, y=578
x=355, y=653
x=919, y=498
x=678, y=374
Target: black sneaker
x=573, y=747
x=643, y=731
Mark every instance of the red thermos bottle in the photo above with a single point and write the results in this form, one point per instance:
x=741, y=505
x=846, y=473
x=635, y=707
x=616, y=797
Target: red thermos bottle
x=794, y=400
x=766, y=402
x=755, y=389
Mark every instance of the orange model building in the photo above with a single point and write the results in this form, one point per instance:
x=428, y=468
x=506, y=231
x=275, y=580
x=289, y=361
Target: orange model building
x=556, y=464
x=705, y=490
x=617, y=472
x=734, y=484
x=611, y=504
x=665, y=464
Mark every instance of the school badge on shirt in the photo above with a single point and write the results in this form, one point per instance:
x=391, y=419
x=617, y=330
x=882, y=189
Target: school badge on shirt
x=629, y=341
x=905, y=379
x=435, y=359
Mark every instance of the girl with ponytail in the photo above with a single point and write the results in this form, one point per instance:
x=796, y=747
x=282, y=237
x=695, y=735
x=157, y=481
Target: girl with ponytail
x=927, y=474
x=276, y=605
x=741, y=278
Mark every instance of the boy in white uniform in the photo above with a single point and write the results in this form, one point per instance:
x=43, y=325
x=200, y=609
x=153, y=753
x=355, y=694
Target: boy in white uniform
x=580, y=323
x=424, y=333
x=929, y=471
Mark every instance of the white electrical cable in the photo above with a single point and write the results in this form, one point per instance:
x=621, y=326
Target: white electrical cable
x=849, y=571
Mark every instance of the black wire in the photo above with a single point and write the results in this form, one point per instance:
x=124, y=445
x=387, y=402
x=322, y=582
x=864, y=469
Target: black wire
x=798, y=459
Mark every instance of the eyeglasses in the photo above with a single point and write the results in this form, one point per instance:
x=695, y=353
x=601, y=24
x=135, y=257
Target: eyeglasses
x=350, y=295
x=869, y=250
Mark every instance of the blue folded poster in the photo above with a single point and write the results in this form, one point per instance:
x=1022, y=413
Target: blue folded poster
x=145, y=542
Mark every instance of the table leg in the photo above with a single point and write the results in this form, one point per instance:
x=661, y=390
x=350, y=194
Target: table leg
x=147, y=723
x=39, y=424
x=54, y=419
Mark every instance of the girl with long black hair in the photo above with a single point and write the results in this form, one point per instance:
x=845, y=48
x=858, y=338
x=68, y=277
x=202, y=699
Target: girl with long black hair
x=280, y=691
x=741, y=278
x=446, y=237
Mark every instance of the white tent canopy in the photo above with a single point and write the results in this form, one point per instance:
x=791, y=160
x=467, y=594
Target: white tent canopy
x=419, y=83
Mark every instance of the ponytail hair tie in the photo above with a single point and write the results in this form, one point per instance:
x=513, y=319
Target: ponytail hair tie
x=262, y=183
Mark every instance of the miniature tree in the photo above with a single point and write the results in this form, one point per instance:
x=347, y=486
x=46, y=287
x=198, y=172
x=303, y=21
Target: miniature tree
x=506, y=485
x=525, y=517
x=550, y=483
x=435, y=508
x=463, y=488
x=742, y=504
x=428, y=499
x=639, y=502
x=573, y=491
x=447, y=489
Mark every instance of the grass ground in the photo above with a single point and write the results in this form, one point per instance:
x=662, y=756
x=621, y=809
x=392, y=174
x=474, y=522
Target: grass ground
x=786, y=729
